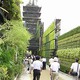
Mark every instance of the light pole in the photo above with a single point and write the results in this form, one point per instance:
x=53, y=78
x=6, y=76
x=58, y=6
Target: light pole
x=57, y=33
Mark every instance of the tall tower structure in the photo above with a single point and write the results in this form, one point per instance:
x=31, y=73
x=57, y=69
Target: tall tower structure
x=31, y=16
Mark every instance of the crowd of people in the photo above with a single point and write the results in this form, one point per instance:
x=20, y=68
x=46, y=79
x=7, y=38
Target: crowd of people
x=37, y=64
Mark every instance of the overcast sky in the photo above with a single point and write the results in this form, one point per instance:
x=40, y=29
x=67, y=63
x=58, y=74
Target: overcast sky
x=66, y=10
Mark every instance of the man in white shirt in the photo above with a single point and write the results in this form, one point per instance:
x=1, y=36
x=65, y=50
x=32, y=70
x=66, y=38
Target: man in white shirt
x=75, y=69
x=57, y=58
x=54, y=69
x=37, y=67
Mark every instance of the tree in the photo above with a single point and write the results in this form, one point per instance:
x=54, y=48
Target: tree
x=14, y=42
x=13, y=7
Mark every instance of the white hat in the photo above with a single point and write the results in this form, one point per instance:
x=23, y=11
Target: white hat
x=55, y=59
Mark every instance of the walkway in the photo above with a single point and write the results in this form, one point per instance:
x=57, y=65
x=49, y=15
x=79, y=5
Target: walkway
x=45, y=75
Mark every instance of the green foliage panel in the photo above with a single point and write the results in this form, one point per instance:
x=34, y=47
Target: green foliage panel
x=69, y=53
x=52, y=46
x=70, y=33
x=66, y=64
x=69, y=48
x=51, y=36
x=50, y=28
x=67, y=57
x=70, y=42
x=48, y=40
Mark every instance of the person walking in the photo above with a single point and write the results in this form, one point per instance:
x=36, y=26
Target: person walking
x=44, y=63
x=57, y=58
x=54, y=69
x=50, y=61
x=37, y=67
x=74, y=69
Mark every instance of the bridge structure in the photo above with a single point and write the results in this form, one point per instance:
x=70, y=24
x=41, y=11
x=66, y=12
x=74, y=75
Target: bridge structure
x=32, y=22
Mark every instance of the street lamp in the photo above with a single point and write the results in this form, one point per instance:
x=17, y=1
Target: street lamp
x=57, y=33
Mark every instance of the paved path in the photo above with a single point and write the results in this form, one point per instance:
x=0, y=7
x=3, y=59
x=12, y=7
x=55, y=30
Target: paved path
x=26, y=76
x=45, y=75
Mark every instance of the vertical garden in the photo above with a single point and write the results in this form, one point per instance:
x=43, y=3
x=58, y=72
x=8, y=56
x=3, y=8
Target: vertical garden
x=13, y=41
x=48, y=41
x=69, y=48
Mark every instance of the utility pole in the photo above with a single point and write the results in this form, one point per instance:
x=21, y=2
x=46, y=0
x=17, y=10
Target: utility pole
x=57, y=33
